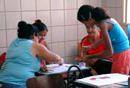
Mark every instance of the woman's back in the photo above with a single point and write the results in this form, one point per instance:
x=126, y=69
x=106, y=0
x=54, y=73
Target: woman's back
x=20, y=64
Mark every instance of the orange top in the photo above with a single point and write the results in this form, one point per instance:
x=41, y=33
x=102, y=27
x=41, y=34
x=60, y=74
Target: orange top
x=42, y=43
x=85, y=42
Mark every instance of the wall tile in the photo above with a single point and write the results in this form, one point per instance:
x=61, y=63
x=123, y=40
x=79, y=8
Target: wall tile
x=70, y=33
x=2, y=50
x=57, y=18
x=49, y=35
x=70, y=17
x=58, y=48
x=112, y=12
x=28, y=5
x=65, y=60
x=95, y=3
x=29, y=16
x=2, y=5
x=12, y=5
x=71, y=60
x=57, y=34
x=2, y=38
x=11, y=35
x=44, y=16
x=71, y=48
x=125, y=29
x=43, y=4
x=50, y=46
x=118, y=3
x=118, y=17
x=82, y=31
x=82, y=2
x=2, y=20
x=103, y=3
x=70, y=4
x=110, y=3
x=12, y=19
x=57, y=4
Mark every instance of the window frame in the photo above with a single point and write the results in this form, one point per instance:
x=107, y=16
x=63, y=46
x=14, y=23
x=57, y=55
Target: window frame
x=125, y=7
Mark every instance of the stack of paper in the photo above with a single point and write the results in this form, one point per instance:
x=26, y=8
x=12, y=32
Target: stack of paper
x=104, y=79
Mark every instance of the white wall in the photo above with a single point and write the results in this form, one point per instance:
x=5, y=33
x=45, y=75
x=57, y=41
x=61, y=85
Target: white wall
x=59, y=15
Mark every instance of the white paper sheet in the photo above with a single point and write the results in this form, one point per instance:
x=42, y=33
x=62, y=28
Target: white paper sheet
x=55, y=68
x=105, y=79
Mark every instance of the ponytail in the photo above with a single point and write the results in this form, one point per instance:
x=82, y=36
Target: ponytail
x=100, y=13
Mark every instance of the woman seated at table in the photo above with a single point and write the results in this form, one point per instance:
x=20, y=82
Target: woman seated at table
x=23, y=57
x=42, y=32
x=94, y=35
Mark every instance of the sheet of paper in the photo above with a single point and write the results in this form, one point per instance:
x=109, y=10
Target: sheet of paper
x=125, y=83
x=104, y=79
x=55, y=68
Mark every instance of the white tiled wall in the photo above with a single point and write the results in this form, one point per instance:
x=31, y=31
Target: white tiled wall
x=59, y=15
x=71, y=33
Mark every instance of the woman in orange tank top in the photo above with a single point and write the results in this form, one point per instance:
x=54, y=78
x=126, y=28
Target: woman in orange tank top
x=94, y=35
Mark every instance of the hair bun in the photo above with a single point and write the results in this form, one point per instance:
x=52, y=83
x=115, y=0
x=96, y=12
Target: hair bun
x=39, y=21
x=22, y=24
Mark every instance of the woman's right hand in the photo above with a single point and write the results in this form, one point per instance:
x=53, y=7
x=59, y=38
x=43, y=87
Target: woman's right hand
x=44, y=68
x=61, y=60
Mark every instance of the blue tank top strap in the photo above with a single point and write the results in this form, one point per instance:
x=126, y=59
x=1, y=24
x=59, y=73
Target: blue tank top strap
x=107, y=21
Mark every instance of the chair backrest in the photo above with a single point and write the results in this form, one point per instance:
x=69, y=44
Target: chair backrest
x=2, y=59
x=73, y=76
x=129, y=82
x=46, y=81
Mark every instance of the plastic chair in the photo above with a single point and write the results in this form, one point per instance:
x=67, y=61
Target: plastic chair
x=2, y=59
x=46, y=81
x=73, y=76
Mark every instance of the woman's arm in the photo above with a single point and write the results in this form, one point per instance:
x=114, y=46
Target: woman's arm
x=97, y=43
x=43, y=53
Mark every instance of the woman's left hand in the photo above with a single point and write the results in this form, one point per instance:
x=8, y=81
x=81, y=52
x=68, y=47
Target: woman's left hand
x=44, y=68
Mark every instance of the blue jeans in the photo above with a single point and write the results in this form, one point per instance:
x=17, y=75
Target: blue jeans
x=8, y=85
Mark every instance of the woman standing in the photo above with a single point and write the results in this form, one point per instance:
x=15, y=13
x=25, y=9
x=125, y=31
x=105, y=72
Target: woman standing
x=114, y=38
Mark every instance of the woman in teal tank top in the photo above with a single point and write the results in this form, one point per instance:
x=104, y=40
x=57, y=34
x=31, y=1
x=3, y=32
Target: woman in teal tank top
x=23, y=57
x=114, y=37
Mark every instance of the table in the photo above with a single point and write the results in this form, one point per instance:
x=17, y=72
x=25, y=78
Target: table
x=68, y=69
x=113, y=80
x=55, y=69
x=106, y=86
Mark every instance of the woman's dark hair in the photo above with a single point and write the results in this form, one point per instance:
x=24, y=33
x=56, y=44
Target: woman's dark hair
x=26, y=30
x=97, y=13
x=40, y=25
x=84, y=12
x=100, y=13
